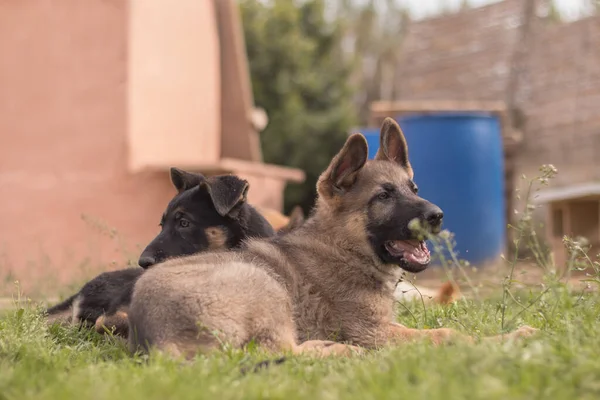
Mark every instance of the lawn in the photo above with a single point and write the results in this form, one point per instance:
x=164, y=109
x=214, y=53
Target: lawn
x=562, y=362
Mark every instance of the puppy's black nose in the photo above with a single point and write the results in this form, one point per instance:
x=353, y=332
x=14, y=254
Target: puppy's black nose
x=434, y=216
x=146, y=261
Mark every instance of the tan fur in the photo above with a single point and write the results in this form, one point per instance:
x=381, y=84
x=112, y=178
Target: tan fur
x=280, y=222
x=64, y=318
x=117, y=323
x=320, y=283
x=75, y=310
x=447, y=293
x=274, y=217
x=217, y=237
x=295, y=219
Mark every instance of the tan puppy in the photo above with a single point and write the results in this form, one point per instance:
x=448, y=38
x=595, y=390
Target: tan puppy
x=324, y=288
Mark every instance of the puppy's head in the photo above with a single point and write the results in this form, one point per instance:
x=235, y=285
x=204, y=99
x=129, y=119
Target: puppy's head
x=203, y=215
x=376, y=200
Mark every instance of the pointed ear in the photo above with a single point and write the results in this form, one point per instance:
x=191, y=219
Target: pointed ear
x=183, y=180
x=296, y=218
x=392, y=145
x=343, y=169
x=227, y=192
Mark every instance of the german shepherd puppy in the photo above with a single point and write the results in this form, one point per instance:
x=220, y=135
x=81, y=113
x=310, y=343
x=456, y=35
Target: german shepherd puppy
x=206, y=213
x=446, y=293
x=324, y=288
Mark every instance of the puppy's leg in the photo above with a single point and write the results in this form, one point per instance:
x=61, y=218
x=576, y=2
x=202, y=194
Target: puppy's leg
x=118, y=323
x=522, y=332
x=325, y=348
x=399, y=334
x=61, y=318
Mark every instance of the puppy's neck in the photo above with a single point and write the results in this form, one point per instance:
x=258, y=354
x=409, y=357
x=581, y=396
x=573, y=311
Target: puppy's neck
x=347, y=233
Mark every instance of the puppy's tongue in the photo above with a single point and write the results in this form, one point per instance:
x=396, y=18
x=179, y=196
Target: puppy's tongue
x=413, y=251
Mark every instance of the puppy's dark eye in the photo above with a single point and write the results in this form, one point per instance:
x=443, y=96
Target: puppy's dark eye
x=413, y=187
x=184, y=223
x=383, y=196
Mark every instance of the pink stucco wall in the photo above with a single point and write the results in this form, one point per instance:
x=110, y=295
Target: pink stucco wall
x=174, y=83
x=96, y=94
x=63, y=145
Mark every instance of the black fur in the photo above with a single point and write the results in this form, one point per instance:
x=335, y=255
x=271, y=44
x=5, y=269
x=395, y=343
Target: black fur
x=194, y=210
x=263, y=365
x=99, y=295
x=63, y=306
x=392, y=236
x=218, y=203
x=406, y=205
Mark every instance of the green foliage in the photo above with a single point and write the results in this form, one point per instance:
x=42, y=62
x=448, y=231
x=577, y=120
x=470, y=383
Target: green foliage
x=553, y=14
x=300, y=79
x=375, y=31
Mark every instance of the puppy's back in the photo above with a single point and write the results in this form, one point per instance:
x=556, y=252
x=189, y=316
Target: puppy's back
x=195, y=303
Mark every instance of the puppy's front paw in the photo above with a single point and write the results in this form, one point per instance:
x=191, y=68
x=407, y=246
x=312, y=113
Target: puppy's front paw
x=522, y=332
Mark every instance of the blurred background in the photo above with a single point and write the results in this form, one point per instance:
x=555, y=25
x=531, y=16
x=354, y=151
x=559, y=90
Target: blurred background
x=99, y=98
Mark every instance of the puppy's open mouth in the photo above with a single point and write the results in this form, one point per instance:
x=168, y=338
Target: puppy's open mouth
x=413, y=252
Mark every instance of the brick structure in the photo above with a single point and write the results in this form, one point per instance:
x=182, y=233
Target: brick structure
x=563, y=128
x=470, y=56
x=464, y=56
x=562, y=109
x=98, y=99
x=467, y=56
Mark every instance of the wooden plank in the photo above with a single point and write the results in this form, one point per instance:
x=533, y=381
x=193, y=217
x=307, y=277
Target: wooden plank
x=239, y=139
x=231, y=165
x=584, y=190
x=382, y=109
x=406, y=106
x=258, y=168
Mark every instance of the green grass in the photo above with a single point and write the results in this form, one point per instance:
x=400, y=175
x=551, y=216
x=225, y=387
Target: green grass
x=562, y=362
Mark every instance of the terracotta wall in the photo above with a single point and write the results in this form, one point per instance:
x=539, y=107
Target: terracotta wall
x=63, y=147
x=174, y=84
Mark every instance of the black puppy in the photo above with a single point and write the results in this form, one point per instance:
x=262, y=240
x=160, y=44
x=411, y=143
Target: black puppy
x=205, y=214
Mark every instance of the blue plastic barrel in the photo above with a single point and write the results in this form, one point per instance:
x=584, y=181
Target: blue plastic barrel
x=459, y=165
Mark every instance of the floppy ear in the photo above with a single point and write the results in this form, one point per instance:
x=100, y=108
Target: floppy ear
x=343, y=169
x=392, y=145
x=183, y=180
x=227, y=193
